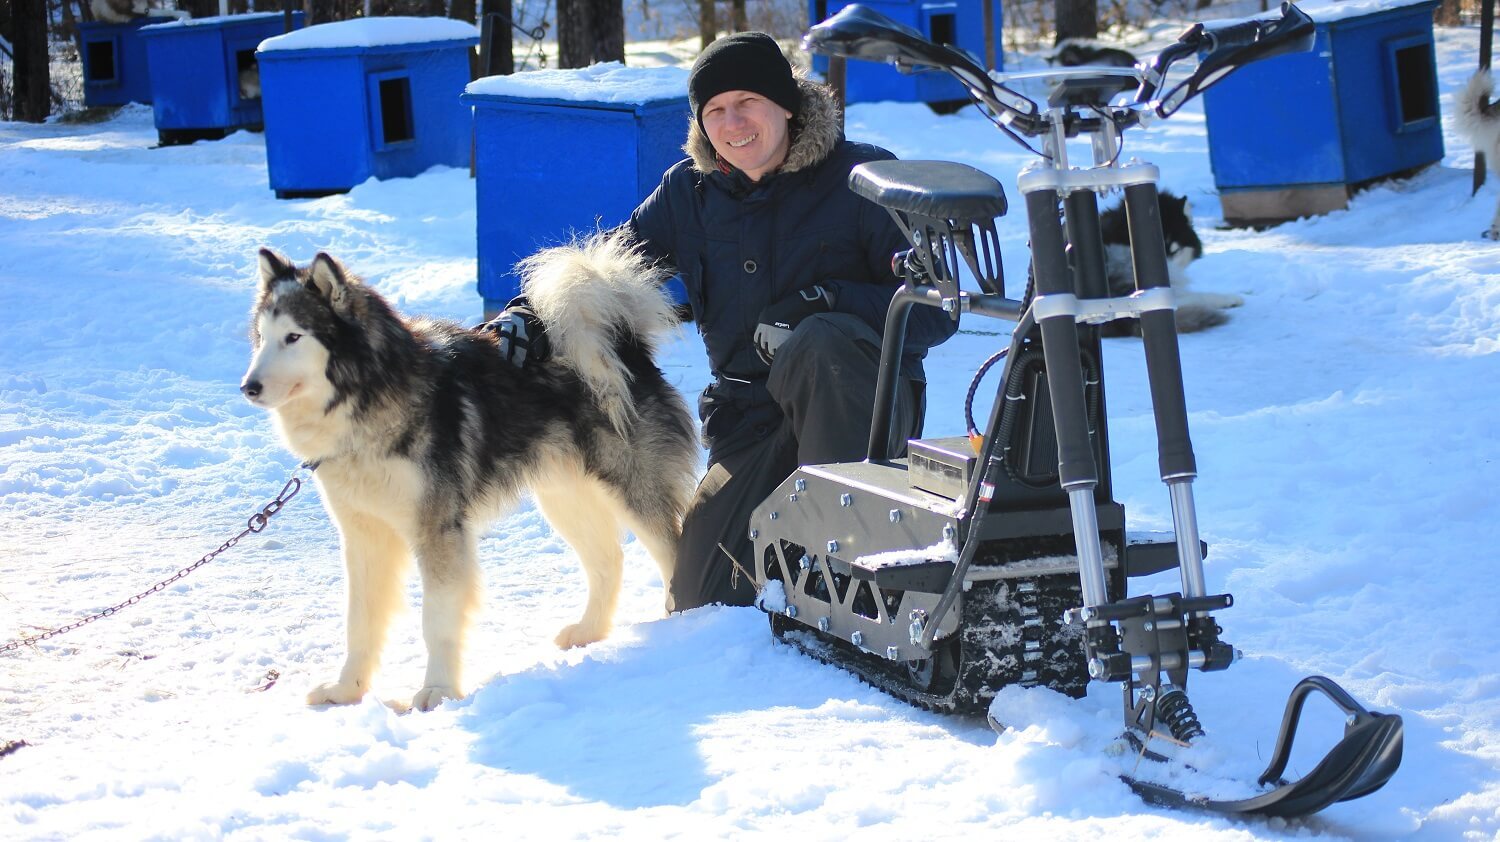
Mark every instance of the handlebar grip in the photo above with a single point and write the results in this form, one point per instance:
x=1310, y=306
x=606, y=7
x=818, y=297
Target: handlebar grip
x=1233, y=36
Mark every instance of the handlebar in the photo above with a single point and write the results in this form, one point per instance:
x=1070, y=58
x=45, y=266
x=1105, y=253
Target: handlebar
x=1222, y=46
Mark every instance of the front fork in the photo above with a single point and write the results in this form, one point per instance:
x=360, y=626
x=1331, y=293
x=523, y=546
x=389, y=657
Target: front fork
x=1147, y=642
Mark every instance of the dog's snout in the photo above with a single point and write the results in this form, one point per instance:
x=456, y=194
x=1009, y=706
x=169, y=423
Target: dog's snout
x=252, y=388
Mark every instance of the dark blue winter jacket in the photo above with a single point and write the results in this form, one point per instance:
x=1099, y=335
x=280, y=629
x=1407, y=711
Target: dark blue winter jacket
x=740, y=246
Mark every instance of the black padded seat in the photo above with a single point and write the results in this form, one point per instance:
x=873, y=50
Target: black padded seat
x=936, y=189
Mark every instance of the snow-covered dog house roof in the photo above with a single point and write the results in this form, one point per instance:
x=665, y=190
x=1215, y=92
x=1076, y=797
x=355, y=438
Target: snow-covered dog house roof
x=204, y=79
x=583, y=147
x=1294, y=135
x=372, y=97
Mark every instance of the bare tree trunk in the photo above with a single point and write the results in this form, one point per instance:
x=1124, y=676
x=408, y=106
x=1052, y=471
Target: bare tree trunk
x=738, y=21
x=468, y=10
x=708, y=23
x=1077, y=19
x=200, y=8
x=590, y=31
x=69, y=22
x=28, y=23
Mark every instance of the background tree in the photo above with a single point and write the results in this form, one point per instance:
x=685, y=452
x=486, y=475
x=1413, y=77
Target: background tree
x=590, y=31
x=1077, y=19
x=33, y=81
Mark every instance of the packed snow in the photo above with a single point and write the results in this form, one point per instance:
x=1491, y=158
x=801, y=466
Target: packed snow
x=1346, y=430
x=609, y=82
x=216, y=20
x=373, y=32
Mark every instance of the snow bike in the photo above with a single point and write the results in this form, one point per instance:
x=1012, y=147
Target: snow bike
x=1002, y=558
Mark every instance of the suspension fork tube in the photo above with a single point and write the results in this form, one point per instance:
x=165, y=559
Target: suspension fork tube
x=892, y=346
x=1058, y=323
x=1164, y=372
x=1088, y=247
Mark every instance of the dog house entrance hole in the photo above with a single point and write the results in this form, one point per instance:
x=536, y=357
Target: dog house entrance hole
x=247, y=72
x=944, y=28
x=1415, y=83
x=101, y=61
x=395, y=110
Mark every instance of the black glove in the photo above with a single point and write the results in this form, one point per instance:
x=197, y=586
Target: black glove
x=777, y=321
x=523, y=339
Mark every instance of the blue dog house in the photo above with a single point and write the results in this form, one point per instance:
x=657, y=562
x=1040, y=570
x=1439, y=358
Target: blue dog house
x=370, y=97
x=204, y=80
x=560, y=152
x=1295, y=135
x=957, y=22
x=114, y=62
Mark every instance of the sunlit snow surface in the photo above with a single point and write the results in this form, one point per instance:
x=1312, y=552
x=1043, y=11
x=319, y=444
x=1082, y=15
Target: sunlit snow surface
x=1346, y=432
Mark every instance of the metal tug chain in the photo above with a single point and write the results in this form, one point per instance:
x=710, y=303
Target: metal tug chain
x=256, y=523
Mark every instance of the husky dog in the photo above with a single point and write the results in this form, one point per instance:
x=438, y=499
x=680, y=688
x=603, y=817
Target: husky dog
x=1195, y=310
x=422, y=433
x=1073, y=52
x=1479, y=123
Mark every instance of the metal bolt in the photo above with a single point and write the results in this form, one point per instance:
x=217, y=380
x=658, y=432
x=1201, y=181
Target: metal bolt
x=775, y=515
x=1148, y=626
x=1096, y=668
x=792, y=497
x=754, y=533
x=895, y=515
x=823, y=624
x=833, y=546
x=949, y=304
x=791, y=611
x=858, y=638
x=949, y=532
x=800, y=485
x=893, y=653
x=1148, y=693
x=846, y=500
x=804, y=562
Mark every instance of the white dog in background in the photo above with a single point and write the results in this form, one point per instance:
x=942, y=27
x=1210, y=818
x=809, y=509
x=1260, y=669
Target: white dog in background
x=1479, y=123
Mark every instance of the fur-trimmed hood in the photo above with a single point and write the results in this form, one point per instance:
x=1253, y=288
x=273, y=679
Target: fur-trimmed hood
x=816, y=132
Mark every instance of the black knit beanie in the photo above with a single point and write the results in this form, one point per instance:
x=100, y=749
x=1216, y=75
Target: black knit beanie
x=744, y=61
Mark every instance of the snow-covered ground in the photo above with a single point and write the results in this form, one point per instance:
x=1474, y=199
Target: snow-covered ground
x=1345, y=423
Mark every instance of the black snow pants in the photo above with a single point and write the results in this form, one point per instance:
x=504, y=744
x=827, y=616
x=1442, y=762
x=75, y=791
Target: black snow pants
x=823, y=382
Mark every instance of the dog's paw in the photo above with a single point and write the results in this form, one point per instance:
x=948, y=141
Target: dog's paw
x=336, y=693
x=429, y=698
x=578, y=634
x=1491, y=234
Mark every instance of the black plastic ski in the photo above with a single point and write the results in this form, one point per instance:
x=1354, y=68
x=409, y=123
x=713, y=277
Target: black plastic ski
x=1361, y=763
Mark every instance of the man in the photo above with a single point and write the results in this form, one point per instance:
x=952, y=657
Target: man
x=789, y=277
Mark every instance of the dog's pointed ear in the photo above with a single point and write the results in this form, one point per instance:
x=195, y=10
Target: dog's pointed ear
x=329, y=279
x=273, y=266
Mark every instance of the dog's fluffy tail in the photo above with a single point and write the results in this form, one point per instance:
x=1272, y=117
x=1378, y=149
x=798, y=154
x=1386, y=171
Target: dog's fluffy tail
x=1476, y=119
x=590, y=293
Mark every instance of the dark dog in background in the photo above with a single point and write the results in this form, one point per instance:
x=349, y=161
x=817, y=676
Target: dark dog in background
x=1195, y=310
x=1077, y=51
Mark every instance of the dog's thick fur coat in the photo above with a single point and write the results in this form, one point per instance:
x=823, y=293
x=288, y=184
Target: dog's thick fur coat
x=1195, y=310
x=1478, y=120
x=423, y=433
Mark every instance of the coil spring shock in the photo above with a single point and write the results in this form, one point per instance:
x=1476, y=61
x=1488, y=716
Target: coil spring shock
x=1174, y=709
